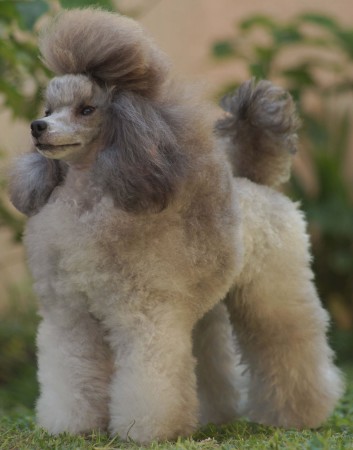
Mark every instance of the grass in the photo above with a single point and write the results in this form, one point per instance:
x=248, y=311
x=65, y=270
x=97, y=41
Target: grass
x=19, y=431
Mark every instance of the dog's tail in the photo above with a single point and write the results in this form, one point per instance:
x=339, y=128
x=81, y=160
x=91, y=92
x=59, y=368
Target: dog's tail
x=259, y=131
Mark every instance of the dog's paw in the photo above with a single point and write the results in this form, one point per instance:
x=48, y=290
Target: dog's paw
x=68, y=413
x=306, y=404
x=150, y=419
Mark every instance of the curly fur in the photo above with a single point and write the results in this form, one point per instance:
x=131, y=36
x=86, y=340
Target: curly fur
x=86, y=43
x=149, y=161
x=261, y=123
x=147, y=254
x=34, y=179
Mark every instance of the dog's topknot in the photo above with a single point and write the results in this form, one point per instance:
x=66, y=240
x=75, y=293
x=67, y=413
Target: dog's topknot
x=110, y=48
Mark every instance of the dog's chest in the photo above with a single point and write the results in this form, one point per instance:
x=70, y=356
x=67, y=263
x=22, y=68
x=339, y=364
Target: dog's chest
x=68, y=242
x=101, y=254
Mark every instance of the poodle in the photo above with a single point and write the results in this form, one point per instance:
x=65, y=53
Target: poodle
x=161, y=250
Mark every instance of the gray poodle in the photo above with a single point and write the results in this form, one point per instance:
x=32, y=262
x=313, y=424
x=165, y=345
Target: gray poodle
x=151, y=239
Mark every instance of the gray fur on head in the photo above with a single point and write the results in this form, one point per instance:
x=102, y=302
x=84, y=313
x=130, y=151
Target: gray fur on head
x=33, y=179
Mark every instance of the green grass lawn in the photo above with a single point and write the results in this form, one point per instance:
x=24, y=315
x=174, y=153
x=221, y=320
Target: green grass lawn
x=18, y=431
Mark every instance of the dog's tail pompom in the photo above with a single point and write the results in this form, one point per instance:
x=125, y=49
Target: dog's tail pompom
x=111, y=48
x=259, y=131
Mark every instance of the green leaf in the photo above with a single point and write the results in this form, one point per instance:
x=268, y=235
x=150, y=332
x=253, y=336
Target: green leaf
x=30, y=12
x=299, y=76
x=319, y=19
x=346, y=41
x=265, y=54
x=261, y=66
x=8, y=11
x=287, y=35
x=13, y=99
x=315, y=130
x=7, y=53
x=258, y=71
x=258, y=21
x=345, y=36
x=223, y=49
x=104, y=4
x=342, y=136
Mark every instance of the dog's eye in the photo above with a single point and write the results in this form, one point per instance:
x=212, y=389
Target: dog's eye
x=47, y=112
x=87, y=110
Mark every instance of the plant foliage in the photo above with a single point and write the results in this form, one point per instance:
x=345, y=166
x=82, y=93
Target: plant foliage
x=18, y=322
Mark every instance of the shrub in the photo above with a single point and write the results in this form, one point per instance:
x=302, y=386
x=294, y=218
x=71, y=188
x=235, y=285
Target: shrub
x=18, y=322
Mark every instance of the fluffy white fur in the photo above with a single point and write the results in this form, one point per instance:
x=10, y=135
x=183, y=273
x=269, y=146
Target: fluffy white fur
x=144, y=270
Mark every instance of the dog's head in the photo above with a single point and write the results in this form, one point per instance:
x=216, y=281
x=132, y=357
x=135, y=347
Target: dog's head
x=75, y=108
x=105, y=109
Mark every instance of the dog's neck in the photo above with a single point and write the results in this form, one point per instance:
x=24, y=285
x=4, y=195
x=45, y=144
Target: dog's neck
x=77, y=177
x=79, y=189
x=83, y=162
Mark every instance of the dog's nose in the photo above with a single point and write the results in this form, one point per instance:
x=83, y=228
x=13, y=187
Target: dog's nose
x=37, y=127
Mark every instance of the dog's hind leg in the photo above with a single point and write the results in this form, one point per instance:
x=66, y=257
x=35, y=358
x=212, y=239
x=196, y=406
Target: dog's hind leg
x=218, y=370
x=279, y=321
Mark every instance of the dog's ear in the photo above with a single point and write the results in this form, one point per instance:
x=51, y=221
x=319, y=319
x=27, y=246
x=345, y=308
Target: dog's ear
x=32, y=180
x=141, y=165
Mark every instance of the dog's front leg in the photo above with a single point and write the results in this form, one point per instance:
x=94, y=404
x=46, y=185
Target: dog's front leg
x=74, y=369
x=153, y=391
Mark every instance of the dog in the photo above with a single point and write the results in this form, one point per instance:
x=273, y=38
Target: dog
x=161, y=250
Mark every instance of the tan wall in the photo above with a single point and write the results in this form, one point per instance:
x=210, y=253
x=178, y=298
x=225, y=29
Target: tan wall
x=185, y=29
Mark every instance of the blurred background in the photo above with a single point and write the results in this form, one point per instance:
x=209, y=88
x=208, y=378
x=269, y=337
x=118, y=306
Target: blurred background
x=306, y=47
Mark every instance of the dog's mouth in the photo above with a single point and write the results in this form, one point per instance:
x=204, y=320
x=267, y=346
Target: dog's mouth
x=54, y=148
